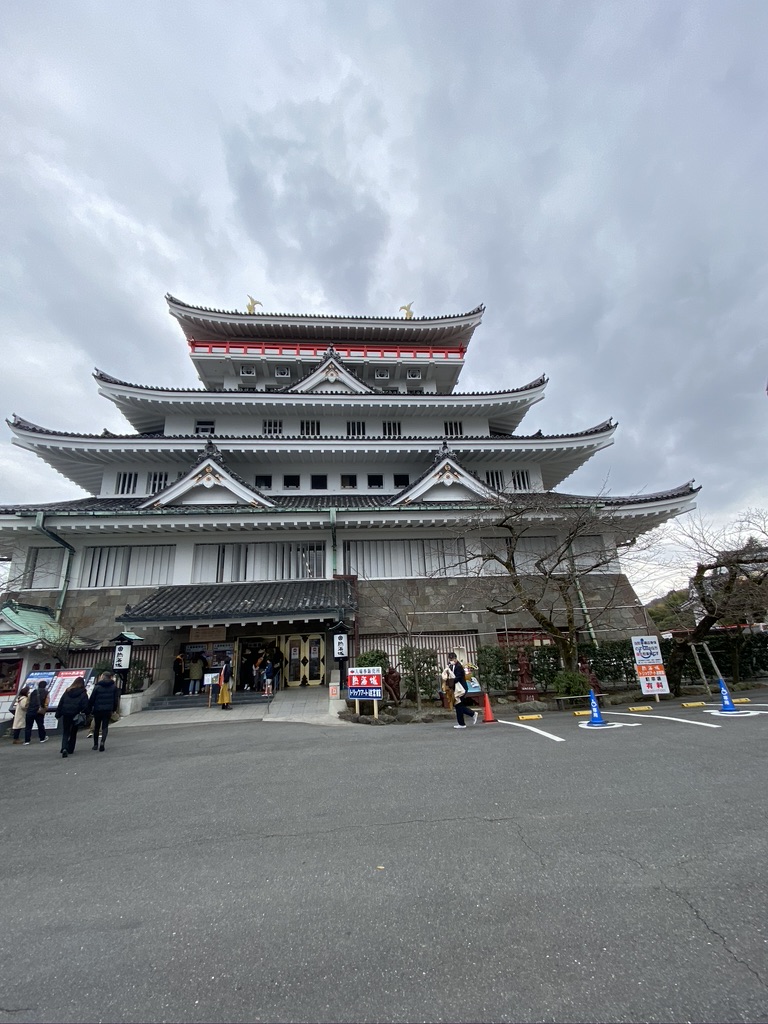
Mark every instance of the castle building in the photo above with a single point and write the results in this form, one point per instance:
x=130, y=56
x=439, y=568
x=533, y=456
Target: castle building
x=325, y=471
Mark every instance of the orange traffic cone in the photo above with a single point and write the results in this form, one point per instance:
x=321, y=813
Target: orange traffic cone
x=487, y=712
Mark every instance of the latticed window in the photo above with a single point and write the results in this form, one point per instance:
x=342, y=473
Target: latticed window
x=382, y=559
x=495, y=478
x=260, y=560
x=453, y=428
x=355, y=428
x=205, y=426
x=123, y=566
x=43, y=568
x=272, y=428
x=520, y=480
x=126, y=483
x=156, y=482
x=310, y=428
x=392, y=428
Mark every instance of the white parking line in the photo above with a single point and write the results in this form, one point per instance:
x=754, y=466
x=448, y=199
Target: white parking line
x=532, y=728
x=663, y=718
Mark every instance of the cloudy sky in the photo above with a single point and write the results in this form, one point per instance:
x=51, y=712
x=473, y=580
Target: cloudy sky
x=595, y=173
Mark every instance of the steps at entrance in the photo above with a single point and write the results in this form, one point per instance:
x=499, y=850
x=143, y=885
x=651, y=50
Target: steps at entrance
x=198, y=701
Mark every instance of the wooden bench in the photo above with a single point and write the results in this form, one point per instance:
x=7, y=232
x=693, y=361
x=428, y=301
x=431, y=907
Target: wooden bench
x=560, y=701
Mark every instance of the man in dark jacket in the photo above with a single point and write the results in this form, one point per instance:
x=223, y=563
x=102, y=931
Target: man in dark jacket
x=104, y=701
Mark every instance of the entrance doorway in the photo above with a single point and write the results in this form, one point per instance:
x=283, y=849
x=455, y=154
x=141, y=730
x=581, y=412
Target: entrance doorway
x=305, y=659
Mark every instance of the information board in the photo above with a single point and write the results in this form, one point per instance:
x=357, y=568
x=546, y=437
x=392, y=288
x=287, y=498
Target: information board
x=364, y=684
x=649, y=665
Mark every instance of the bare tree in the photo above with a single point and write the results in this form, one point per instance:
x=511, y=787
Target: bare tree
x=728, y=579
x=546, y=554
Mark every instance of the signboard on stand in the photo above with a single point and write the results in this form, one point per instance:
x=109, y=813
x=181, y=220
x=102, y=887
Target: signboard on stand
x=649, y=665
x=365, y=684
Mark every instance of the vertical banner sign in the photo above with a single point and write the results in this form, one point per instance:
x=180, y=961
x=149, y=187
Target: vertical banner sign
x=364, y=684
x=649, y=665
x=340, y=645
x=122, y=658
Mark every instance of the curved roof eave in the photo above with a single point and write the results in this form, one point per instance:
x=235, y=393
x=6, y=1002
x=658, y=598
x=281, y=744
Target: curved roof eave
x=178, y=307
x=112, y=385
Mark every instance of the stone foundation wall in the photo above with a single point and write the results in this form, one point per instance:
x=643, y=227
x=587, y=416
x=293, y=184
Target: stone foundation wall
x=457, y=605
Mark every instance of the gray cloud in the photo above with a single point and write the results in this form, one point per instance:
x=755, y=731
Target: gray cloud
x=593, y=172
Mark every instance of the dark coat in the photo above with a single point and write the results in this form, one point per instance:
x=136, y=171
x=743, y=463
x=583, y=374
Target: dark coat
x=104, y=697
x=459, y=674
x=37, y=698
x=71, y=704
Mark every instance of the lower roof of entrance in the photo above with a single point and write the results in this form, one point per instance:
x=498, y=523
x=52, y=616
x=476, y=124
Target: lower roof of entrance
x=215, y=604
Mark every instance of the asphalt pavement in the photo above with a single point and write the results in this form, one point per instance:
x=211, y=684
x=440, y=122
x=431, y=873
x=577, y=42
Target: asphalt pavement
x=246, y=871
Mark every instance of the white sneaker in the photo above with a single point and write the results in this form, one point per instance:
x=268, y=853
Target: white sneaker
x=476, y=719
x=459, y=727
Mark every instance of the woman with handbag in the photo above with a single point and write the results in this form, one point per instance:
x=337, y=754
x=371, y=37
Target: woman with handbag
x=459, y=688
x=104, y=702
x=71, y=713
x=19, y=710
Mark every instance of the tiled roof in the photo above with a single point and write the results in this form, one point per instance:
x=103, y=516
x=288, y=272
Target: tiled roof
x=301, y=502
x=244, y=395
x=437, y=439
x=322, y=316
x=34, y=624
x=214, y=602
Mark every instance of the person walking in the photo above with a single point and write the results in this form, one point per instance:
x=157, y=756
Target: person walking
x=103, y=703
x=71, y=713
x=20, y=713
x=225, y=678
x=35, y=714
x=459, y=687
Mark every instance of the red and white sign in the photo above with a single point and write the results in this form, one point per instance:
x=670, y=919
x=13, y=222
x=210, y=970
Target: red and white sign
x=648, y=665
x=364, y=684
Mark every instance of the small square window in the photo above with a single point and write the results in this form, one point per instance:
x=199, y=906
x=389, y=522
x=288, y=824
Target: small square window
x=263, y=483
x=349, y=480
x=402, y=480
x=291, y=483
x=205, y=426
x=375, y=480
x=319, y=482
x=453, y=428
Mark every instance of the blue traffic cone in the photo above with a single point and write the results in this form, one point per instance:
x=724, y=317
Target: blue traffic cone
x=596, y=719
x=726, y=702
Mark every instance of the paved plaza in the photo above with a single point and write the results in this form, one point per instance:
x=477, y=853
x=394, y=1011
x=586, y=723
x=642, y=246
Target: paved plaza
x=234, y=871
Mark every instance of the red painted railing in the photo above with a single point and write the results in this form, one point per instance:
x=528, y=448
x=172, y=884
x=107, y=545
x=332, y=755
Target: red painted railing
x=293, y=349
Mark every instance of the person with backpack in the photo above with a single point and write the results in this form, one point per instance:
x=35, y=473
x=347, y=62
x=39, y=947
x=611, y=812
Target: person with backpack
x=459, y=687
x=35, y=715
x=71, y=713
x=103, y=703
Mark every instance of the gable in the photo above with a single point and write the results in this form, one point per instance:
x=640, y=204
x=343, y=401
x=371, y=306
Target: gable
x=208, y=483
x=446, y=481
x=331, y=376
